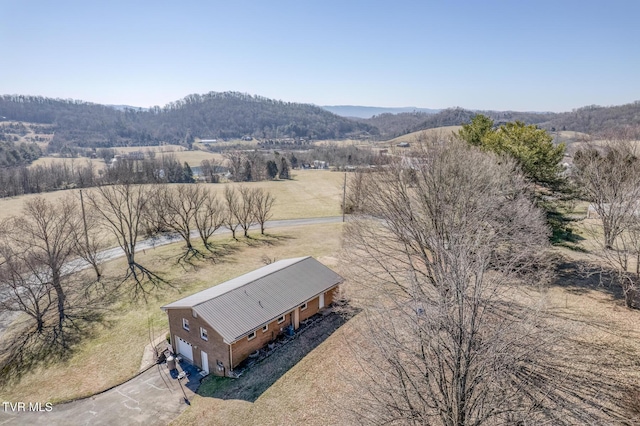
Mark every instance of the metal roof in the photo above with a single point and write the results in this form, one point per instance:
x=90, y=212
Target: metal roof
x=238, y=306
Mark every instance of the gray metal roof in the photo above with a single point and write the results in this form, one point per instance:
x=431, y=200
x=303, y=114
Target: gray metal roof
x=243, y=304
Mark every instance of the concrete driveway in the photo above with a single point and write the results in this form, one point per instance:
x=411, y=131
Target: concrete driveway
x=152, y=398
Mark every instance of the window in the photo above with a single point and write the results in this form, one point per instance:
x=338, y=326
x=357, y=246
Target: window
x=203, y=334
x=265, y=328
x=251, y=335
x=303, y=306
x=185, y=324
x=281, y=320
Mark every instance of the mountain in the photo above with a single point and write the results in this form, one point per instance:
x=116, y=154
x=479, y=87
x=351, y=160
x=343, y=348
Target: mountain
x=394, y=125
x=369, y=111
x=232, y=115
x=212, y=115
x=595, y=119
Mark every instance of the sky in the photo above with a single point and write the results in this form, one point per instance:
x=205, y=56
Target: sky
x=521, y=55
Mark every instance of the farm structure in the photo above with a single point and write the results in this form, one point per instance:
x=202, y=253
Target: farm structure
x=218, y=328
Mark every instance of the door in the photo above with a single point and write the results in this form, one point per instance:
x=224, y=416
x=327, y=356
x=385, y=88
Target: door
x=205, y=361
x=321, y=303
x=184, y=348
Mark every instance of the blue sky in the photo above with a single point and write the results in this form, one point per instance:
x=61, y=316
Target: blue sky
x=484, y=54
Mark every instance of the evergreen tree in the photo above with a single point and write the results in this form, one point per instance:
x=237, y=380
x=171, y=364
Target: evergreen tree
x=248, y=175
x=187, y=173
x=284, y=169
x=272, y=169
x=294, y=161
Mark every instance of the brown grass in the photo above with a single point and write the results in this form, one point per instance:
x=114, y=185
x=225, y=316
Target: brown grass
x=114, y=352
x=311, y=193
x=98, y=164
x=603, y=341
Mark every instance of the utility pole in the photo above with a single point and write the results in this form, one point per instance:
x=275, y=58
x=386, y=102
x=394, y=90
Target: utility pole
x=344, y=195
x=84, y=221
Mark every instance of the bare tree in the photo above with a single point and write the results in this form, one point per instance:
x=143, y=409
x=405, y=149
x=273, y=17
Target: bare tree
x=232, y=203
x=236, y=161
x=354, y=191
x=153, y=223
x=182, y=204
x=209, y=169
x=209, y=218
x=122, y=210
x=624, y=259
x=609, y=176
x=438, y=251
x=44, y=238
x=262, y=204
x=88, y=243
x=23, y=286
x=245, y=212
x=611, y=182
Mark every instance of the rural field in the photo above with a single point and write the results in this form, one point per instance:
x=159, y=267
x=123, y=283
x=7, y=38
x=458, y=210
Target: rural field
x=600, y=337
x=112, y=351
x=310, y=193
x=598, y=352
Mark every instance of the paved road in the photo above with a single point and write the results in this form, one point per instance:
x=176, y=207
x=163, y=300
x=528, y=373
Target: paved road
x=114, y=253
x=152, y=398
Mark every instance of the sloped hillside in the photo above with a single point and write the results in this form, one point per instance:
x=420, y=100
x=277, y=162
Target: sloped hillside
x=213, y=115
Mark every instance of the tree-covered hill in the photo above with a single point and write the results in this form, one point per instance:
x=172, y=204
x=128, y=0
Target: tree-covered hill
x=234, y=115
x=394, y=125
x=213, y=115
x=596, y=119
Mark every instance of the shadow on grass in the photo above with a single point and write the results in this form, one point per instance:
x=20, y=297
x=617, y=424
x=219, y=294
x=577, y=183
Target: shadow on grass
x=27, y=348
x=259, y=377
x=266, y=239
x=580, y=277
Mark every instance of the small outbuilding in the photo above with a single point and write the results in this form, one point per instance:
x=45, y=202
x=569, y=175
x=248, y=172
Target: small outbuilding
x=218, y=328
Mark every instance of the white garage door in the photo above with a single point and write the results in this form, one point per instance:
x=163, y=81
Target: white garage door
x=184, y=348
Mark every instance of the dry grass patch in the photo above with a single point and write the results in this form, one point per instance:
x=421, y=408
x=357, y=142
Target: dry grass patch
x=311, y=193
x=315, y=391
x=114, y=351
x=415, y=137
x=97, y=164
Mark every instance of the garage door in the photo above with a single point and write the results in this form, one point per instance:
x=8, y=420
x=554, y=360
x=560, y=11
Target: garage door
x=184, y=348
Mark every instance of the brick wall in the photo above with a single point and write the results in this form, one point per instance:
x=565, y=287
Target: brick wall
x=215, y=348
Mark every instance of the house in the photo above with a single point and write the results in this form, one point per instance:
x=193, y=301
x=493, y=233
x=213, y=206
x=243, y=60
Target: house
x=218, y=328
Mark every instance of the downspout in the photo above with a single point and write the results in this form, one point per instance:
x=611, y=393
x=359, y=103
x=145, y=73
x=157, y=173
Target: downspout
x=230, y=360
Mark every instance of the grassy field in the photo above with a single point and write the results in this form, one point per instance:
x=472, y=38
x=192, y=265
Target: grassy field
x=97, y=163
x=311, y=193
x=193, y=158
x=416, y=136
x=114, y=351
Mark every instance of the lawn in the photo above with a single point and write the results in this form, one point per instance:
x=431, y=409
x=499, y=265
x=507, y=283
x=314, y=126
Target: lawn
x=113, y=352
